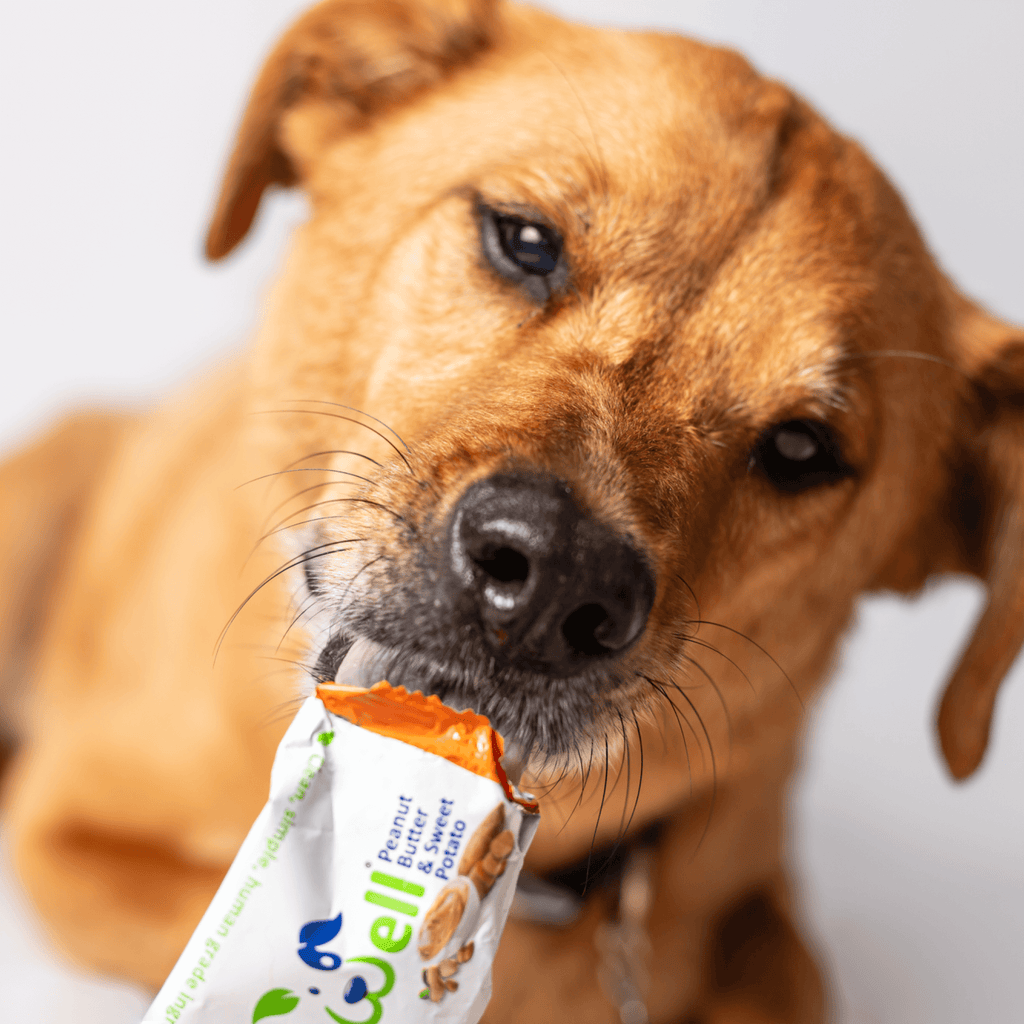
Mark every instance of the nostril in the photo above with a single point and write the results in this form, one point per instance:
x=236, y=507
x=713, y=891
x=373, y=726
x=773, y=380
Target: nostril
x=549, y=587
x=504, y=564
x=583, y=628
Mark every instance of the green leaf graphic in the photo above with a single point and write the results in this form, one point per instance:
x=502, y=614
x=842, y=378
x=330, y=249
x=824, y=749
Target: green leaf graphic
x=275, y=1003
x=326, y=737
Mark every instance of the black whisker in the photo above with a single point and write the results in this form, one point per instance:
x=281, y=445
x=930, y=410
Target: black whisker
x=640, y=773
x=366, y=566
x=696, y=603
x=332, y=501
x=679, y=689
x=586, y=780
x=629, y=773
x=307, y=469
x=547, y=788
x=309, y=522
x=292, y=563
x=567, y=764
x=362, y=412
x=311, y=602
x=584, y=772
x=624, y=823
x=349, y=419
x=334, y=451
x=743, y=636
x=682, y=734
x=590, y=768
x=721, y=654
x=714, y=775
x=280, y=527
x=305, y=666
x=597, y=823
x=725, y=708
x=278, y=713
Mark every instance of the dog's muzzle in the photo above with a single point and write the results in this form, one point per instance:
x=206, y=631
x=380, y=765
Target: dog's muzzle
x=522, y=609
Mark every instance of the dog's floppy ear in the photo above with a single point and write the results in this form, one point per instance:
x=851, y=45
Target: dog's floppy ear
x=992, y=354
x=355, y=56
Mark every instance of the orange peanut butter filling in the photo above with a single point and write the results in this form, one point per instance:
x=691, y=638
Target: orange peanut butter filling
x=462, y=737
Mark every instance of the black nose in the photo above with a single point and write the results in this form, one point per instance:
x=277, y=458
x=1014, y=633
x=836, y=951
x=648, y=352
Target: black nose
x=552, y=588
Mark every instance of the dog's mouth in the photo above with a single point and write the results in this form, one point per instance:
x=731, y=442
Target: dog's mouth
x=545, y=723
x=523, y=608
x=351, y=661
x=362, y=662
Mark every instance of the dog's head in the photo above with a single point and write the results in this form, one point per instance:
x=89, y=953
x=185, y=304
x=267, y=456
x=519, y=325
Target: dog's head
x=611, y=374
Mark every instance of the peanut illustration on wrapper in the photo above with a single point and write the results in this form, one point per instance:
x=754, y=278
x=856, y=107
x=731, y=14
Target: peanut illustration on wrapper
x=447, y=921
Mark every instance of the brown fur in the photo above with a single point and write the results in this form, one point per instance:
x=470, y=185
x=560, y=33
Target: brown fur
x=734, y=263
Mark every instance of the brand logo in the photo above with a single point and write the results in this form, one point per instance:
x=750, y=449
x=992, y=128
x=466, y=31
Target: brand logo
x=314, y=934
x=354, y=989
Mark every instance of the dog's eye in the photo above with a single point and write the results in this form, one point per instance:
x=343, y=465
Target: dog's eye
x=533, y=248
x=799, y=454
x=528, y=253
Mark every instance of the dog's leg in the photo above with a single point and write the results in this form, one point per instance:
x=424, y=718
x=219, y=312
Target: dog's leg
x=44, y=491
x=758, y=970
x=724, y=942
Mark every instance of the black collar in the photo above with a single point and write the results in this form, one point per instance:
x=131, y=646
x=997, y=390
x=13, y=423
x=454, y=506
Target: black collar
x=557, y=897
x=603, y=867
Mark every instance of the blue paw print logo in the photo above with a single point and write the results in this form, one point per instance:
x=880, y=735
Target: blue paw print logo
x=280, y=1001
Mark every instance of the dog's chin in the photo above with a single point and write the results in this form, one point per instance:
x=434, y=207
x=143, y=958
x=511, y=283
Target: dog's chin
x=540, y=719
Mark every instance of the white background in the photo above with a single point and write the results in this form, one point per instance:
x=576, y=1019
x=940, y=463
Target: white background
x=117, y=116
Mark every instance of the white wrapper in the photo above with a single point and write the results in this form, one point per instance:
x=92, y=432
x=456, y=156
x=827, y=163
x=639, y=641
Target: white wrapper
x=320, y=916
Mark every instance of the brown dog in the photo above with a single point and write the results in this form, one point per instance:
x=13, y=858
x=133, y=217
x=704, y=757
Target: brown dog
x=668, y=380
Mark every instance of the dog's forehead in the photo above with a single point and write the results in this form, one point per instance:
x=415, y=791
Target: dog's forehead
x=648, y=121
x=716, y=224
x=712, y=221
x=649, y=113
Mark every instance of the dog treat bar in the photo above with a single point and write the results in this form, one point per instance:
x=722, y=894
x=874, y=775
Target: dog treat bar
x=375, y=884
